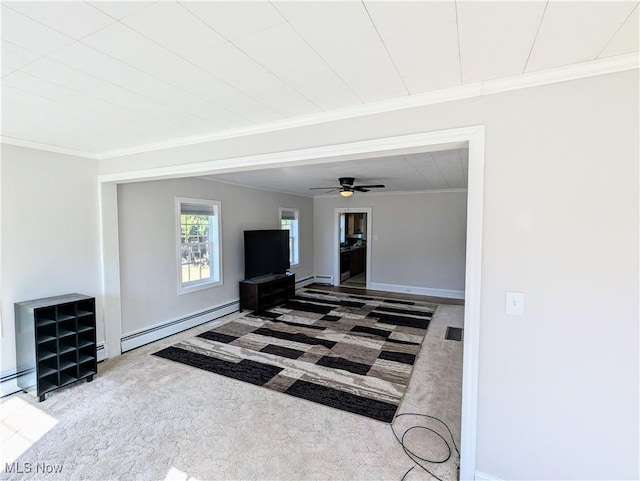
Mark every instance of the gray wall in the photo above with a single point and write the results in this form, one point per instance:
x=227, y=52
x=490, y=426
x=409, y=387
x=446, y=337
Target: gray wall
x=557, y=387
x=419, y=238
x=50, y=235
x=148, y=265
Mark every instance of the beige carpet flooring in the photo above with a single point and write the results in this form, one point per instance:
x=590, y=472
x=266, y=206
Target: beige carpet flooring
x=147, y=418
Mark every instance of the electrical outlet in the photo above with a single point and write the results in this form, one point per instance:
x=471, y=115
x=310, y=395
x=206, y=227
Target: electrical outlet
x=514, y=303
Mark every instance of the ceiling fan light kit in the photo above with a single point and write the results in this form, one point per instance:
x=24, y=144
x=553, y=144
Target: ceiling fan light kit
x=347, y=188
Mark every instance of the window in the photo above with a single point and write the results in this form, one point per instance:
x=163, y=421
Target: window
x=289, y=221
x=198, y=222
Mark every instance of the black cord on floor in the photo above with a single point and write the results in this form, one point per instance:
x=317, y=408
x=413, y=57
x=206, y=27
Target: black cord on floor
x=414, y=457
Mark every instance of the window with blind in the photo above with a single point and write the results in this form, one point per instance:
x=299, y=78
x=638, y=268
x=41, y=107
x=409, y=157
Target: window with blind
x=289, y=219
x=198, y=222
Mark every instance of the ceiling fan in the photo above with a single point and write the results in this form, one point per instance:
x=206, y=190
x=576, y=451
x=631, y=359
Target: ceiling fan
x=347, y=188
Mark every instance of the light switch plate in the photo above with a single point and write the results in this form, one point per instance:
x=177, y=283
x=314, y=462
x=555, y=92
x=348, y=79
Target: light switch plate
x=514, y=303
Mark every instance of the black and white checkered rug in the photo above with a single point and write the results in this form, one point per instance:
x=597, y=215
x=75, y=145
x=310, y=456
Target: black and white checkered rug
x=350, y=352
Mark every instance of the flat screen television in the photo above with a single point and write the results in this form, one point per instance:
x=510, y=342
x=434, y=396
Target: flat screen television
x=265, y=252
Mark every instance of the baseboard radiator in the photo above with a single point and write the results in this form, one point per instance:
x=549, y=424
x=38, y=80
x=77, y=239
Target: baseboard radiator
x=155, y=333
x=8, y=381
x=324, y=280
x=160, y=331
x=305, y=281
x=101, y=351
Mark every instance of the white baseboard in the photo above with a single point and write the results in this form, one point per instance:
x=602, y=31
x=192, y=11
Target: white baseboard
x=324, y=279
x=422, y=291
x=8, y=383
x=168, y=328
x=484, y=477
x=305, y=282
x=102, y=352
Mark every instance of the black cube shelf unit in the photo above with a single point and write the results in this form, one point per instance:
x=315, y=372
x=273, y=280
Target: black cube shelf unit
x=55, y=342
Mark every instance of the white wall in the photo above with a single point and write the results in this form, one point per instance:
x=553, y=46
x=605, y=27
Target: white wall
x=419, y=241
x=558, y=387
x=50, y=236
x=148, y=264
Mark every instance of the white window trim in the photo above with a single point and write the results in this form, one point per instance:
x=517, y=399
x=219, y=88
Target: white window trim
x=297, y=236
x=182, y=289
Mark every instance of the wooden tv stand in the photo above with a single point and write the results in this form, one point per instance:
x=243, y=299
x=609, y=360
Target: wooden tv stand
x=263, y=292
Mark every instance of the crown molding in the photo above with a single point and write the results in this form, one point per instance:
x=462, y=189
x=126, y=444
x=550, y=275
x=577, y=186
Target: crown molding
x=581, y=70
x=247, y=186
x=331, y=195
x=488, y=87
x=389, y=105
x=576, y=71
x=413, y=192
x=56, y=149
x=397, y=192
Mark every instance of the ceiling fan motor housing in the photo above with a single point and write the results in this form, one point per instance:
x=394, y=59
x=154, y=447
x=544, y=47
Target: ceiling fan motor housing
x=346, y=181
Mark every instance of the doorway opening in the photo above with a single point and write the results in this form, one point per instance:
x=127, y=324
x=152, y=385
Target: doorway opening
x=353, y=249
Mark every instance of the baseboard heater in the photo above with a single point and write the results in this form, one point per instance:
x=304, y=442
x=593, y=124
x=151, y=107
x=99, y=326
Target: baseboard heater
x=145, y=336
x=8, y=381
x=305, y=282
x=324, y=280
x=101, y=352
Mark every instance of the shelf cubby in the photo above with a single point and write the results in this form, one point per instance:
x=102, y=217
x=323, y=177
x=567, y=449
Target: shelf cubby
x=48, y=384
x=45, y=337
x=83, y=328
x=82, y=343
x=44, y=354
x=86, y=371
x=47, y=370
x=66, y=364
x=82, y=358
x=64, y=348
x=83, y=313
x=67, y=378
x=62, y=333
x=46, y=322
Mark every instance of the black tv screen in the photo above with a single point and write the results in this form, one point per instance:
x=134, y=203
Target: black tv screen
x=265, y=252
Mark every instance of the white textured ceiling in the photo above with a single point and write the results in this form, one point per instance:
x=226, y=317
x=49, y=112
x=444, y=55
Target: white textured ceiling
x=427, y=171
x=101, y=76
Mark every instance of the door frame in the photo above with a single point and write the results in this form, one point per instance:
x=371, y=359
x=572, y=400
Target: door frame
x=336, y=237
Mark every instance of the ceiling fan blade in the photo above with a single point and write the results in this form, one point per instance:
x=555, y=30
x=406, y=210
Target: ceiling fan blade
x=377, y=186
x=360, y=189
x=323, y=188
x=333, y=189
